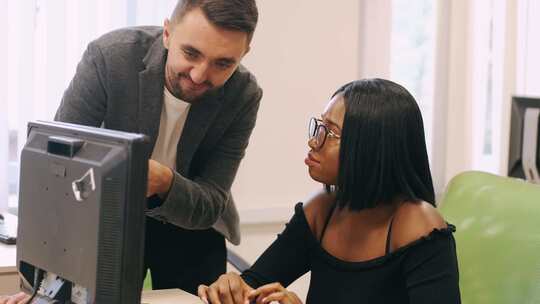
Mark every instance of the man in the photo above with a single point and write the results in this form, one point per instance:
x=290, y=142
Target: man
x=183, y=86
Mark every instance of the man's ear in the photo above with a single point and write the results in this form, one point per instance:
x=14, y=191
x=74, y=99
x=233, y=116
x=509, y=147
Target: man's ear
x=166, y=33
x=247, y=50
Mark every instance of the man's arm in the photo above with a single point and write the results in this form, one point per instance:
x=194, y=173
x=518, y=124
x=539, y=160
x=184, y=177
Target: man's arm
x=84, y=101
x=198, y=203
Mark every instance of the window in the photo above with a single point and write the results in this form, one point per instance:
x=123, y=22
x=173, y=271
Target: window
x=528, y=48
x=45, y=41
x=488, y=45
x=412, y=53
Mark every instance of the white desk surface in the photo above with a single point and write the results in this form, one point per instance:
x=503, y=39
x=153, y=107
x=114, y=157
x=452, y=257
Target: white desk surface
x=8, y=253
x=168, y=296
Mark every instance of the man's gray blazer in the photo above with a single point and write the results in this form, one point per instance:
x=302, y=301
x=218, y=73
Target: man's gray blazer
x=119, y=84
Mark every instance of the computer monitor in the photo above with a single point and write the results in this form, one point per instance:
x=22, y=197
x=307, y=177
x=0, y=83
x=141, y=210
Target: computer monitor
x=81, y=213
x=524, y=148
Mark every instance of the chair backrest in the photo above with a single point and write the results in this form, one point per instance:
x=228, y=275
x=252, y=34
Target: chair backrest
x=498, y=237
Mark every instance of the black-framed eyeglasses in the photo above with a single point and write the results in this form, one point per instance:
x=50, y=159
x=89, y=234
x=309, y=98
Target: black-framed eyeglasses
x=318, y=132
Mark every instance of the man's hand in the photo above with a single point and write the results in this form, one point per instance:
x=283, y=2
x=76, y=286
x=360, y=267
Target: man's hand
x=273, y=292
x=19, y=298
x=228, y=289
x=160, y=178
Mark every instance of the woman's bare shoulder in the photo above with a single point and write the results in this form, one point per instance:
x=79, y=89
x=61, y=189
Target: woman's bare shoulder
x=316, y=208
x=414, y=220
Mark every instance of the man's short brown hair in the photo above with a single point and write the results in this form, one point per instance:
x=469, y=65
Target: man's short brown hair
x=236, y=15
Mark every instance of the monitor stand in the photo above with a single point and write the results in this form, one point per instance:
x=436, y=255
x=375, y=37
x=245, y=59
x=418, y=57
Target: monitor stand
x=530, y=145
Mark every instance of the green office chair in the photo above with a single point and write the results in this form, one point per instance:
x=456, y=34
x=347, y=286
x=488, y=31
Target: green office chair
x=498, y=237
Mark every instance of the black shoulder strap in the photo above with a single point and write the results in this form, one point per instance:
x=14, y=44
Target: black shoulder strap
x=388, y=237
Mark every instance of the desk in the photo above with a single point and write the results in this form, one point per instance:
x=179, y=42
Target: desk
x=168, y=296
x=9, y=278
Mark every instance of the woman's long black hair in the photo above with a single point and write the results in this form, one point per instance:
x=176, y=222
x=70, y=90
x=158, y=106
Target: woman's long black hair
x=383, y=154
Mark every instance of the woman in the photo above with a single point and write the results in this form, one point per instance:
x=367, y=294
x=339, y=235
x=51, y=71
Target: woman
x=374, y=235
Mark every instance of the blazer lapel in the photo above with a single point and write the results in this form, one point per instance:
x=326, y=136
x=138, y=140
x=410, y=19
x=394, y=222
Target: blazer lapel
x=151, y=86
x=201, y=115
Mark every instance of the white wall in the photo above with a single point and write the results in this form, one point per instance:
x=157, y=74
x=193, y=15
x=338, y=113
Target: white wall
x=375, y=21
x=3, y=114
x=302, y=52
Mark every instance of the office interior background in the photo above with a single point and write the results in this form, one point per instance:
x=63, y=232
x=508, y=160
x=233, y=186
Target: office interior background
x=463, y=60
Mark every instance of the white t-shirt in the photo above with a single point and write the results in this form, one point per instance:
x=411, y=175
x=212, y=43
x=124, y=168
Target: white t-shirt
x=173, y=117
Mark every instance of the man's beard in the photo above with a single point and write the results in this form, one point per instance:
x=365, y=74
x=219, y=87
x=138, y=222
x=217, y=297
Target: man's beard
x=187, y=95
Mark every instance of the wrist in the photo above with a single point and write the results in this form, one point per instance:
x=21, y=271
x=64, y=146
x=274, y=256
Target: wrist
x=166, y=184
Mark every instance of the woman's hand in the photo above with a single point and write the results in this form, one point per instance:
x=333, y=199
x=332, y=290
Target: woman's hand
x=228, y=289
x=19, y=298
x=273, y=292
